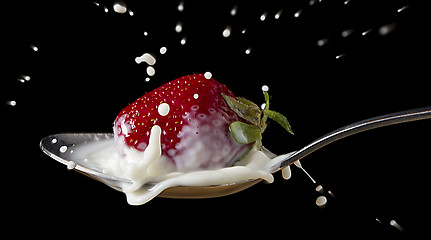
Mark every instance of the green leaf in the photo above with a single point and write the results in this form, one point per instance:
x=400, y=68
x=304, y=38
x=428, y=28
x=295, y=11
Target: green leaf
x=244, y=109
x=244, y=133
x=266, y=99
x=279, y=118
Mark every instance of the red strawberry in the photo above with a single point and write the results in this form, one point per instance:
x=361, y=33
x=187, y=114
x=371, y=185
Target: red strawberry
x=195, y=131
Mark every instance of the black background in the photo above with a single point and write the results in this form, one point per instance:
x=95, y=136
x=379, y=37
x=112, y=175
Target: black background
x=84, y=73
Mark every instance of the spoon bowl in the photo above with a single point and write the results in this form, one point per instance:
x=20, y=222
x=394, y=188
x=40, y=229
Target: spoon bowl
x=60, y=147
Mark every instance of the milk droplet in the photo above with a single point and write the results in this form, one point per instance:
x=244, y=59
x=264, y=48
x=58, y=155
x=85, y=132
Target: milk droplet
x=319, y=189
x=11, y=103
x=248, y=51
x=63, y=149
x=183, y=41
x=263, y=16
x=286, y=173
x=34, y=48
x=54, y=141
x=146, y=57
x=195, y=96
x=386, y=29
x=234, y=10
x=226, y=31
x=71, y=165
x=163, y=50
x=402, y=8
x=322, y=42
x=278, y=14
x=179, y=27
x=120, y=7
x=163, y=109
x=151, y=71
x=346, y=33
x=299, y=165
x=180, y=7
x=265, y=88
x=298, y=13
x=340, y=56
x=208, y=75
x=321, y=201
x=396, y=225
x=366, y=32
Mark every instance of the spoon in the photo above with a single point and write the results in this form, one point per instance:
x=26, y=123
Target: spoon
x=50, y=146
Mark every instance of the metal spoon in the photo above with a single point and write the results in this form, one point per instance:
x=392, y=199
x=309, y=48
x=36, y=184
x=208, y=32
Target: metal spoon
x=56, y=147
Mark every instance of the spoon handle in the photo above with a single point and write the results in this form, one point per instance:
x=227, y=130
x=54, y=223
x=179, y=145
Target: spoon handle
x=357, y=127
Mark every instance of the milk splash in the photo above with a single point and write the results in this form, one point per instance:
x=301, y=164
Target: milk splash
x=151, y=172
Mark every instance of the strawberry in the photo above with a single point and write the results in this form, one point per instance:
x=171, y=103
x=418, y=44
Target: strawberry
x=204, y=126
x=195, y=131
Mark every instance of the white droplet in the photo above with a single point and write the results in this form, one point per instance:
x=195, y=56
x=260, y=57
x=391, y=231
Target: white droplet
x=340, y=56
x=63, y=149
x=227, y=31
x=163, y=109
x=181, y=6
x=105, y=9
x=179, y=27
x=195, y=96
x=346, y=2
x=396, y=225
x=11, y=103
x=286, y=172
x=299, y=165
x=163, y=50
x=263, y=16
x=346, y=33
x=322, y=42
x=183, y=41
x=265, y=88
x=244, y=30
x=147, y=79
x=402, y=8
x=248, y=51
x=298, y=13
x=278, y=14
x=208, y=75
x=151, y=71
x=34, y=48
x=319, y=189
x=120, y=7
x=263, y=106
x=131, y=13
x=234, y=10
x=366, y=32
x=321, y=201
x=54, y=141
x=145, y=33
x=386, y=29
x=71, y=165
x=146, y=57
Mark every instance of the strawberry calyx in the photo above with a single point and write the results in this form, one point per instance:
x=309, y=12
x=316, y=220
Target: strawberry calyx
x=255, y=117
